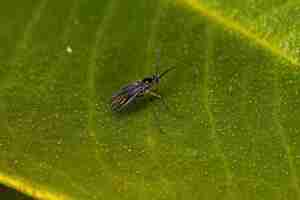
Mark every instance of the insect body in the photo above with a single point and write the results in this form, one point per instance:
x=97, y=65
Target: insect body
x=130, y=92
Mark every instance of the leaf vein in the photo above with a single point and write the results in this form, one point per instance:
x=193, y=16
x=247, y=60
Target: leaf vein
x=92, y=66
x=211, y=118
x=36, y=16
x=229, y=24
x=284, y=138
x=21, y=45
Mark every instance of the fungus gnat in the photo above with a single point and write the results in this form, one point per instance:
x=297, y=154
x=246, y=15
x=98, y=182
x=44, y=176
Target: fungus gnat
x=130, y=92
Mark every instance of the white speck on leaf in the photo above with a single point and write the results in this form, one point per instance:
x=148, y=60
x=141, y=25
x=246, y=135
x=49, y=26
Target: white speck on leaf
x=69, y=49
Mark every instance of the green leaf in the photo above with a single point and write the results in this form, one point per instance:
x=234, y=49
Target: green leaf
x=229, y=127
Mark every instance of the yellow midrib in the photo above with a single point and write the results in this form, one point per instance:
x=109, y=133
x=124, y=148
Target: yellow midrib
x=29, y=188
x=229, y=24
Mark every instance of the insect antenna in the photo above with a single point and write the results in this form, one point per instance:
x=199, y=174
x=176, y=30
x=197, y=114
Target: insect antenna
x=157, y=61
x=157, y=64
x=165, y=72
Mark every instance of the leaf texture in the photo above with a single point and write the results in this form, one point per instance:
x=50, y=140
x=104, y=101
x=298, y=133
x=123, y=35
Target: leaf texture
x=227, y=128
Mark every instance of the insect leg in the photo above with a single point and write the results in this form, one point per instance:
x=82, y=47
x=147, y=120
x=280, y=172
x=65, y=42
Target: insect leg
x=157, y=61
x=157, y=120
x=154, y=94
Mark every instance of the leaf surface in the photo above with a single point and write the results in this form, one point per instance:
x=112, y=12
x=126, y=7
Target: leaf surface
x=227, y=128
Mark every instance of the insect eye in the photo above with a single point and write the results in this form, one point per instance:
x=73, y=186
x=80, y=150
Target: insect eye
x=147, y=80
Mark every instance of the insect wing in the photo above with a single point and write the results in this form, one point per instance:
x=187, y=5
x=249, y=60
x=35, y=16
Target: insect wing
x=126, y=89
x=117, y=101
x=129, y=100
x=125, y=96
x=120, y=92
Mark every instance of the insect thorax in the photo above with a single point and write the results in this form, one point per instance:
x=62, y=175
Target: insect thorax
x=151, y=80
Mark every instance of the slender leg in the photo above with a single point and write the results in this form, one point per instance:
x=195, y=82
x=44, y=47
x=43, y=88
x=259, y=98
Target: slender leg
x=157, y=120
x=155, y=94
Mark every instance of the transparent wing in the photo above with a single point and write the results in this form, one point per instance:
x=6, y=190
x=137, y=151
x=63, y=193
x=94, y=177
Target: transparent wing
x=125, y=96
x=126, y=89
x=129, y=100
